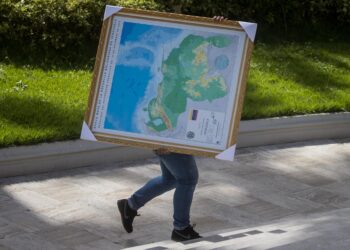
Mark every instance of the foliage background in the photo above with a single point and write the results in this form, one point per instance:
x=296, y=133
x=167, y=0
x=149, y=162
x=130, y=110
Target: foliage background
x=47, y=28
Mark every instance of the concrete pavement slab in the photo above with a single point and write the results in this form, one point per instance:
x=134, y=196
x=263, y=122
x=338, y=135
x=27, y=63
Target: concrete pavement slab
x=290, y=196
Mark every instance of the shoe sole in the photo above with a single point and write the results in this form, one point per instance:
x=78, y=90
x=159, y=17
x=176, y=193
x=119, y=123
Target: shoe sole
x=186, y=240
x=121, y=211
x=179, y=238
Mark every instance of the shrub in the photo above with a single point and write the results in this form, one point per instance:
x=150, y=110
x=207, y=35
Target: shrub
x=71, y=27
x=286, y=16
x=56, y=26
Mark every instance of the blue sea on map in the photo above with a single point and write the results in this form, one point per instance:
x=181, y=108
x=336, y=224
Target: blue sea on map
x=133, y=72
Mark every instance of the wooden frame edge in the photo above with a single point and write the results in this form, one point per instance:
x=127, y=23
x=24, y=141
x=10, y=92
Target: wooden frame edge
x=97, y=71
x=241, y=93
x=181, y=18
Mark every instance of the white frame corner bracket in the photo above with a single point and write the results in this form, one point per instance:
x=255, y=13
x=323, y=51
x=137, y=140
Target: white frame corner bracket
x=86, y=133
x=228, y=154
x=110, y=10
x=250, y=29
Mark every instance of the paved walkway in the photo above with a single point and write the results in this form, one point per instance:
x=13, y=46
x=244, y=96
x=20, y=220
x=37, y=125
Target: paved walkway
x=296, y=195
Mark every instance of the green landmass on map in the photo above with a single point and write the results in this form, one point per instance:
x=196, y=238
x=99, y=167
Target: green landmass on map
x=185, y=75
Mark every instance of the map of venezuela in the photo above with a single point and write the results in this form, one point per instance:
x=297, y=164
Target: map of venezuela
x=165, y=77
x=185, y=75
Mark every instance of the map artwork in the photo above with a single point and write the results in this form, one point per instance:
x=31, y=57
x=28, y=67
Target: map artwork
x=169, y=82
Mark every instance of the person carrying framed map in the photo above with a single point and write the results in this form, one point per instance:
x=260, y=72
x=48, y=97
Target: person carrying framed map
x=179, y=171
x=171, y=83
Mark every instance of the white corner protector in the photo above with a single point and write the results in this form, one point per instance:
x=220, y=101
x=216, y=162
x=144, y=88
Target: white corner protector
x=228, y=154
x=86, y=133
x=110, y=10
x=250, y=29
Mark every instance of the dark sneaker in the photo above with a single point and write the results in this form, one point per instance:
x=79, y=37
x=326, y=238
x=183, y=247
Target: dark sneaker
x=186, y=234
x=127, y=214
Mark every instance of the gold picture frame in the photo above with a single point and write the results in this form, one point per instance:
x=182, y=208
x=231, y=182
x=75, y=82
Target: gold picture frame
x=104, y=76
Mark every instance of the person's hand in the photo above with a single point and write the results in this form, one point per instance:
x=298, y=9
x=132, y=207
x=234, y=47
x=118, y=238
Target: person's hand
x=162, y=151
x=219, y=18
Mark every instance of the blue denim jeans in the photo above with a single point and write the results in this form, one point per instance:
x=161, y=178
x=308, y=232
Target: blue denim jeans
x=179, y=171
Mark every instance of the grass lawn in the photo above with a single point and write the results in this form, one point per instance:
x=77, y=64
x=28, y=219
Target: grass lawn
x=38, y=105
x=291, y=79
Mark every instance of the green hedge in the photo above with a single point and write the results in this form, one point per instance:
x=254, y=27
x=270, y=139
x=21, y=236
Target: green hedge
x=55, y=26
x=62, y=26
x=278, y=12
x=287, y=18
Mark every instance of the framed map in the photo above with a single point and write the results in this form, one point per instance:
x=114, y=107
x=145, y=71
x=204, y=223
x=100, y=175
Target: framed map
x=169, y=81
